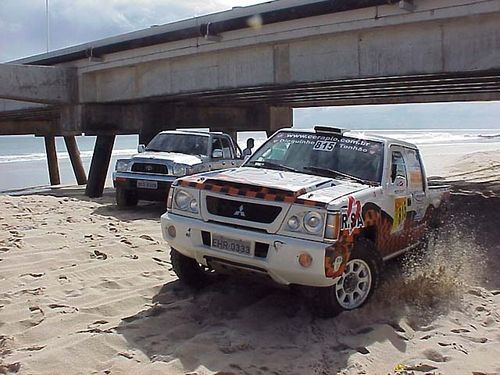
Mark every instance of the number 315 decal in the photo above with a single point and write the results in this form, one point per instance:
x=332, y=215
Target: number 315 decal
x=324, y=145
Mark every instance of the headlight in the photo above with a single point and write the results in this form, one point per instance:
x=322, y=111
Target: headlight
x=310, y=222
x=185, y=201
x=180, y=170
x=293, y=223
x=122, y=165
x=313, y=222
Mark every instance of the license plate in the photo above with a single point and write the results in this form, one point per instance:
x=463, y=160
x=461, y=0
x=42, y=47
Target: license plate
x=229, y=244
x=143, y=184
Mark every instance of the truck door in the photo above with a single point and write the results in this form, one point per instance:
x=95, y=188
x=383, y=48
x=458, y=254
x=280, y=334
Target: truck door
x=222, y=152
x=416, y=184
x=398, y=180
x=228, y=155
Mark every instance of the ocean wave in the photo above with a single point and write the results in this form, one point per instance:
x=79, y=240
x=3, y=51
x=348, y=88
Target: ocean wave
x=434, y=137
x=40, y=156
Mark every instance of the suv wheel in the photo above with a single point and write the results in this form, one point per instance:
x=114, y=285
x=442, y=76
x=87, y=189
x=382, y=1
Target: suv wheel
x=125, y=198
x=355, y=286
x=188, y=270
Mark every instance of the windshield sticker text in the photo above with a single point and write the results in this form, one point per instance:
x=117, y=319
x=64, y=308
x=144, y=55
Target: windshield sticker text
x=324, y=146
x=329, y=143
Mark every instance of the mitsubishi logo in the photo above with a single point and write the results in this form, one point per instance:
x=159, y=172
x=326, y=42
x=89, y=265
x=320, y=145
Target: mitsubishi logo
x=239, y=212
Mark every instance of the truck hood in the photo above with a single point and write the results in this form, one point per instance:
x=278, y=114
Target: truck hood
x=173, y=157
x=273, y=185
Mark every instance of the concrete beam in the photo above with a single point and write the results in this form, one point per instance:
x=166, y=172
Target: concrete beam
x=149, y=118
x=38, y=84
x=455, y=45
x=37, y=127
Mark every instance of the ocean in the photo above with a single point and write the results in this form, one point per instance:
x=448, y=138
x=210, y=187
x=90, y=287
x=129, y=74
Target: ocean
x=23, y=160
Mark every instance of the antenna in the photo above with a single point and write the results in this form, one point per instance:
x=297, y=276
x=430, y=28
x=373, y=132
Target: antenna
x=47, y=21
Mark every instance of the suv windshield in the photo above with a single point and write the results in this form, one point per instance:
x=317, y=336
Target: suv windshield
x=322, y=154
x=190, y=144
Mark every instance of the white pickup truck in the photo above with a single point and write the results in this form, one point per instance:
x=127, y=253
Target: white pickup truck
x=321, y=208
x=171, y=154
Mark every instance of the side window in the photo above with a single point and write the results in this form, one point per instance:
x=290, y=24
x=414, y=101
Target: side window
x=216, y=145
x=226, y=148
x=398, y=167
x=415, y=171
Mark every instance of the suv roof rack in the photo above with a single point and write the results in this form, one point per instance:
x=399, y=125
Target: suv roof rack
x=329, y=129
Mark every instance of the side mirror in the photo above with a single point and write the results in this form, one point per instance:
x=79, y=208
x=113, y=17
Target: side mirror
x=141, y=148
x=217, y=153
x=398, y=186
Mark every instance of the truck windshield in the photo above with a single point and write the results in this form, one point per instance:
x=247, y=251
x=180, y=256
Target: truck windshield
x=190, y=144
x=322, y=154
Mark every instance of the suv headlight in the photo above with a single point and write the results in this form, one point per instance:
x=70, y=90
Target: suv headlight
x=122, y=165
x=313, y=222
x=180, y=170
x=309, y=222
x=184, y=201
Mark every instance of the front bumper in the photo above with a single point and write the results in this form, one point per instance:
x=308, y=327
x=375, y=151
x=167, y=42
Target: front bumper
x=280, y=263
x=128, y=181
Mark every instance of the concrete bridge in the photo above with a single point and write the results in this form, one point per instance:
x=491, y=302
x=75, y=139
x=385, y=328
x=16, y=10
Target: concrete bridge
x=245, y=69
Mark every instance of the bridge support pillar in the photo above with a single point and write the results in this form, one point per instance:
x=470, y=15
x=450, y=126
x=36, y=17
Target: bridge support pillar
x=279, y=117
x=99, y=165
x=76, y=161
x=50, y=149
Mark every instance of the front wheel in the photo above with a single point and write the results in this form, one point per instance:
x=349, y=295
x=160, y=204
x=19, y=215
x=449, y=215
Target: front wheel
x=354, y=287
x=126, y=198
x=188, y=270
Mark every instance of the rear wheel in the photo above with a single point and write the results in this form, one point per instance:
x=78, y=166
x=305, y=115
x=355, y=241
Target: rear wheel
x=126, y=198
x=188, y=270
x=354, y=287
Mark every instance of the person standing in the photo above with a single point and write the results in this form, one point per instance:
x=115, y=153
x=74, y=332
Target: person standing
x=248, y=151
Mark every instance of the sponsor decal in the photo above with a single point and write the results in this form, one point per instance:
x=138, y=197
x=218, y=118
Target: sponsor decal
x=386, y=240
x=350, y=217
x=321, y=142
x=416, y=178
x=400, y=210
x=337, y=263
x=324, y=146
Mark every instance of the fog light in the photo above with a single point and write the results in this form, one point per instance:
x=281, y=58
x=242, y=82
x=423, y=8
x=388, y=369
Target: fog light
x=171, y=231
x=305, y=260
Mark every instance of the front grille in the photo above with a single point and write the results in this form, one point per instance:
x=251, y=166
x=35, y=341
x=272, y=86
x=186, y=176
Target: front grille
x=150, y=168
x=258, y=213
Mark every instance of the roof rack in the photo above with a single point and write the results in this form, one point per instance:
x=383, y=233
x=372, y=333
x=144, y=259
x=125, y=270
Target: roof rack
x=329, y=130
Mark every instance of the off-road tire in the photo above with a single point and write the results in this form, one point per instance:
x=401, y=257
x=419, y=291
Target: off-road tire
x=325, y=302
x=188, y=270
x=125, y=198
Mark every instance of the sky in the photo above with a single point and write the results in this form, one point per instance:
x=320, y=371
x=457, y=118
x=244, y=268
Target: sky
x=23, y=33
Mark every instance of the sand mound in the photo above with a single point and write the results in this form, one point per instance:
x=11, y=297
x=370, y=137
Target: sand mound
x=86, y=288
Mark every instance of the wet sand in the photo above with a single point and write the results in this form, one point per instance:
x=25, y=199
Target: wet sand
x=86, y=288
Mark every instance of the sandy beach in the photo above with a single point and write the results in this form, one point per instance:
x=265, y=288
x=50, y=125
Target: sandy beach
x=86, y=288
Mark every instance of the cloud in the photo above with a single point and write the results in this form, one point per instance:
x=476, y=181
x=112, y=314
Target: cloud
x=23, y=22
